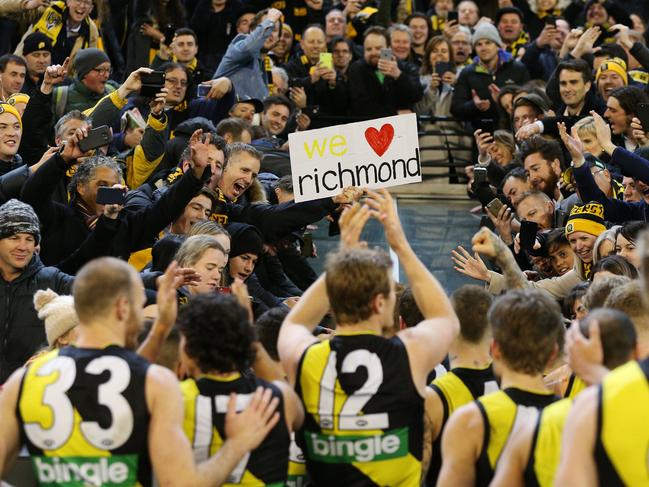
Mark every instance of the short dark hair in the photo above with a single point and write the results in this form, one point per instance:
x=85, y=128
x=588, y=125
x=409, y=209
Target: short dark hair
x=508, y=10
x=186, y=31
x=618, y=335
x=268, y=326
x=11, y=58
x=615, y=264
x=87, y=169
x=549, y=149
x=337, y=40
x=599, y=290
x=234, y=126
x=526, y=324
x=631, y=230
x=556, y=238
x=269, y=101
x=218, y=335
x=577, y=292
x=215, y=140
x=612, y=50
x=471, y=304
x=285, y=183
x=408, y=309
x=170, y=66
x=578, y=65
x=629, y=97
x=377, y=30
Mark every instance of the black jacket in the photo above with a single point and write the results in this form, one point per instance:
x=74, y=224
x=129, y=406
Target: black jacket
x=369, y=98
x=38, y=120
x=21, y=332
x=64, y=228
x=475, y=77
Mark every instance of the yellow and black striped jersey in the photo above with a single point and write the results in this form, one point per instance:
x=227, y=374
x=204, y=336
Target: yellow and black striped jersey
x=206, y=403
x=296, y=465
x=456, y=388
x=364, y=415
x=84, y=417
x=622, y=439
x=545, y=451
x=499, y=411
x=575, y=386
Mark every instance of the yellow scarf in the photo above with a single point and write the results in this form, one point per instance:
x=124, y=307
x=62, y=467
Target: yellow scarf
x=51, y=22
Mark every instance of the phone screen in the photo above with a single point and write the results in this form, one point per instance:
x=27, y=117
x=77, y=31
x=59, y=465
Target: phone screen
x=326, y=60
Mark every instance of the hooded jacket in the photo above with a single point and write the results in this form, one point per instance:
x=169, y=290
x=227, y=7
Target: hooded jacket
x=21, y=331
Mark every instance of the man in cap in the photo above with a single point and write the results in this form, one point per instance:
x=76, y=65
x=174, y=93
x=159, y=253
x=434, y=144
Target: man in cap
x=22, y=274
x=492, y=68
x=509, y=21
x=91, y=72
x=245, y=108
x=37, y=51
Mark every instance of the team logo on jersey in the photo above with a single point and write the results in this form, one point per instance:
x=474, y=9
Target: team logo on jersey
x=113, y=471
x=361, y=449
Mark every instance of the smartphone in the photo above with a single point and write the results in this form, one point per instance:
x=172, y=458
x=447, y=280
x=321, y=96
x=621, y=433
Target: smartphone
x=97, y=137
x=307, y=248
x=443, y=67
x=494, y=206
x=169, y=32
x=550, y=20
x=386, y=54
x=642, y=111
x=479, y=176
x=452, y=15
x=110, y=196
x=326, y=60
x=152, y=83
x=487, y=125
x=528, y=234
x=203, y=90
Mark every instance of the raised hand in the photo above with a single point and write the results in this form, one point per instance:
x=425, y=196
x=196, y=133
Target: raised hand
x=573, y=144
x=587, y=41
x=352, y=221
x=480, y=104
x=469, y=265
x=382, y=206
x=54, y=75
x=133, y=83
x=639, y=133
x=69, y=149
x=199, y=147
x=603, y=132
x=157, y=105
x=483, y=141
x=219, y=88
x=167, y=300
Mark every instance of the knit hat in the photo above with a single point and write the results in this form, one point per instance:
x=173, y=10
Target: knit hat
x=488, y=31
x=18, y=98
x=616, y=65
x=588, y=218
x=534, y=99
x=9, y=108
x=58, y=313
x=36, y=41
x=18, y=217
x=244, y=239
x=88, y=59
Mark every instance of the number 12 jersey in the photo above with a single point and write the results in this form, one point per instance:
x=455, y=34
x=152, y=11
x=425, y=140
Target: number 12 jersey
x=364, y=415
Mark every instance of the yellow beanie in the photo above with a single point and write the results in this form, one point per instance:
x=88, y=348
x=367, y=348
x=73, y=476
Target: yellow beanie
x=7, y=108
x=588, y=218
x=18, y=98
x=616, y=65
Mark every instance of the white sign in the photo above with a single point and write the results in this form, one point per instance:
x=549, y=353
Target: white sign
x=374, y=154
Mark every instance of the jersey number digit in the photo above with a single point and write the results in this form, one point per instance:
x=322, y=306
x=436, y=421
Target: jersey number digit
x=109, y=395
x=350, y=419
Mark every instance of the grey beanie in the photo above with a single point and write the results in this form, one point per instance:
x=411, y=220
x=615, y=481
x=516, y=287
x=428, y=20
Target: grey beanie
x=488, y=31
x=18, y=217
x=88, y=59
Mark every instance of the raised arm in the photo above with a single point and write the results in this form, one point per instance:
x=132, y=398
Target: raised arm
x=9, y=427
x=429, y=341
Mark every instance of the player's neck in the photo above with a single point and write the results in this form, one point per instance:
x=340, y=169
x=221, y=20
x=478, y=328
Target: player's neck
x=99, y=335
x=372, y=326
x=469, y=355
x=531, y=383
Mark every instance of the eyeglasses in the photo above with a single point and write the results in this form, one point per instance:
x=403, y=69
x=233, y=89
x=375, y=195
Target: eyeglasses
x=103, y=71
x=177, y=82
x=87, y=3
x=336, y=20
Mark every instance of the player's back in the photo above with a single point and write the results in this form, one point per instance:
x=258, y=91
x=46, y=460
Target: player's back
x=364, y=415
x=84, y=417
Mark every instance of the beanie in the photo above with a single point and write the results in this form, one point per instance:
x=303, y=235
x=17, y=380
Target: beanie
x=58, y=313
x=18, y=98
x=87, y=60
x=534, y=99
x=18, y=217
x=244, y=239
x=488, y=31
x=9, y=108
x=588, y=218
x=616, y=65
x=36, y=41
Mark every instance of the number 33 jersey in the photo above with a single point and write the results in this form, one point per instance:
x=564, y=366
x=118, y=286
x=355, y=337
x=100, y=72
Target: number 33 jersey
x=84, y=417
x=364, y=416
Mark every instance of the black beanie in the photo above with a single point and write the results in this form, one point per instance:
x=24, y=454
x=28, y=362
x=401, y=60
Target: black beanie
x=36, y=41
x=87, y=60
x=244, y=239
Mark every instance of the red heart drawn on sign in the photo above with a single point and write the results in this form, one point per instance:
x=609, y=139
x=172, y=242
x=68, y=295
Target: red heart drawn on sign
x=380, y=140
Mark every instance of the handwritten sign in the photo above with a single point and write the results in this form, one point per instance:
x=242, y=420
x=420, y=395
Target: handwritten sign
x=375, y=154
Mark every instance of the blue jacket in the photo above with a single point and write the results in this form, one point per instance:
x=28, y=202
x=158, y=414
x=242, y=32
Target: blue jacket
x=242, y=62
x=616, y=211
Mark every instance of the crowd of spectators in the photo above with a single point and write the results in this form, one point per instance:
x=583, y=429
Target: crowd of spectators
x=191, y=183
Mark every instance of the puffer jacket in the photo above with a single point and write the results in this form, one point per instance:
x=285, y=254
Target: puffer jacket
x=21, y=331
